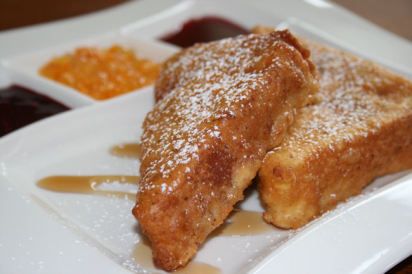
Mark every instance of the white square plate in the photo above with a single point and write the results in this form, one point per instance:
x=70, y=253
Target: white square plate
x=48, y=232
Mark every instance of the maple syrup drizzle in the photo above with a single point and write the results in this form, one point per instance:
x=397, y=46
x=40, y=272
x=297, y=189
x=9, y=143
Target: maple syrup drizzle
x=142, y=255
x=243, y=223
x=240, y=223
x=88, y=184
x=127, y=150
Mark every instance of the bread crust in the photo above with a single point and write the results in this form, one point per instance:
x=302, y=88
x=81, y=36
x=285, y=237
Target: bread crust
x=360, y=129
x=221, y=107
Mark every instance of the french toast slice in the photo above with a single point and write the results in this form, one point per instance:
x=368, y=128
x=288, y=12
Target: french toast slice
x=223, y=106
x=360, y=128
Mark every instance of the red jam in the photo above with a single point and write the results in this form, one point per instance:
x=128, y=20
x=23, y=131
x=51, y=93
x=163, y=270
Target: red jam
x=20, y=107
x=204, y=29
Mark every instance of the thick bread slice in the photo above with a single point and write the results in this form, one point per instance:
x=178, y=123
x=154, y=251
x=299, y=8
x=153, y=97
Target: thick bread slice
x=360, y=129
x=223, y=105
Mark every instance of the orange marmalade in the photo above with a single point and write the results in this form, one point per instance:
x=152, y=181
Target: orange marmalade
x=102, y=73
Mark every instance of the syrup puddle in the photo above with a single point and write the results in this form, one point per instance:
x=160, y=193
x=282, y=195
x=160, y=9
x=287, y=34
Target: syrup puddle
x=243, y=223
x=240, y=223
x=128, y=150
x=90, y=185
x=142, y=254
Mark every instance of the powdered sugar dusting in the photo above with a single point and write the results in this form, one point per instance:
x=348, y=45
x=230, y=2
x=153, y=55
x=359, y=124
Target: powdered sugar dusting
x=355, y=99
x=205, y=139
x=204, y=87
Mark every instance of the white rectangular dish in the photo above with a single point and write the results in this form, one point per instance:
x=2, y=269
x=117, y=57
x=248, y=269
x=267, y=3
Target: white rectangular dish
x=105, y=225
x=49, y=232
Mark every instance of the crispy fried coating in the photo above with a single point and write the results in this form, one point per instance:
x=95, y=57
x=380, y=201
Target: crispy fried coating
x=360, y=129
x=223, y=106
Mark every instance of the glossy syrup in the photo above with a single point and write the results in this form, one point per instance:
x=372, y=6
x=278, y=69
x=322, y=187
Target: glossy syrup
x=240, y=223
x=128, y=150
x=88, y=184
x=243, y=223
x=142, y=255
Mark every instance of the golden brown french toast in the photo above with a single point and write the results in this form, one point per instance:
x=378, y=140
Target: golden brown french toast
x=224, y=105
x=360, y=129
